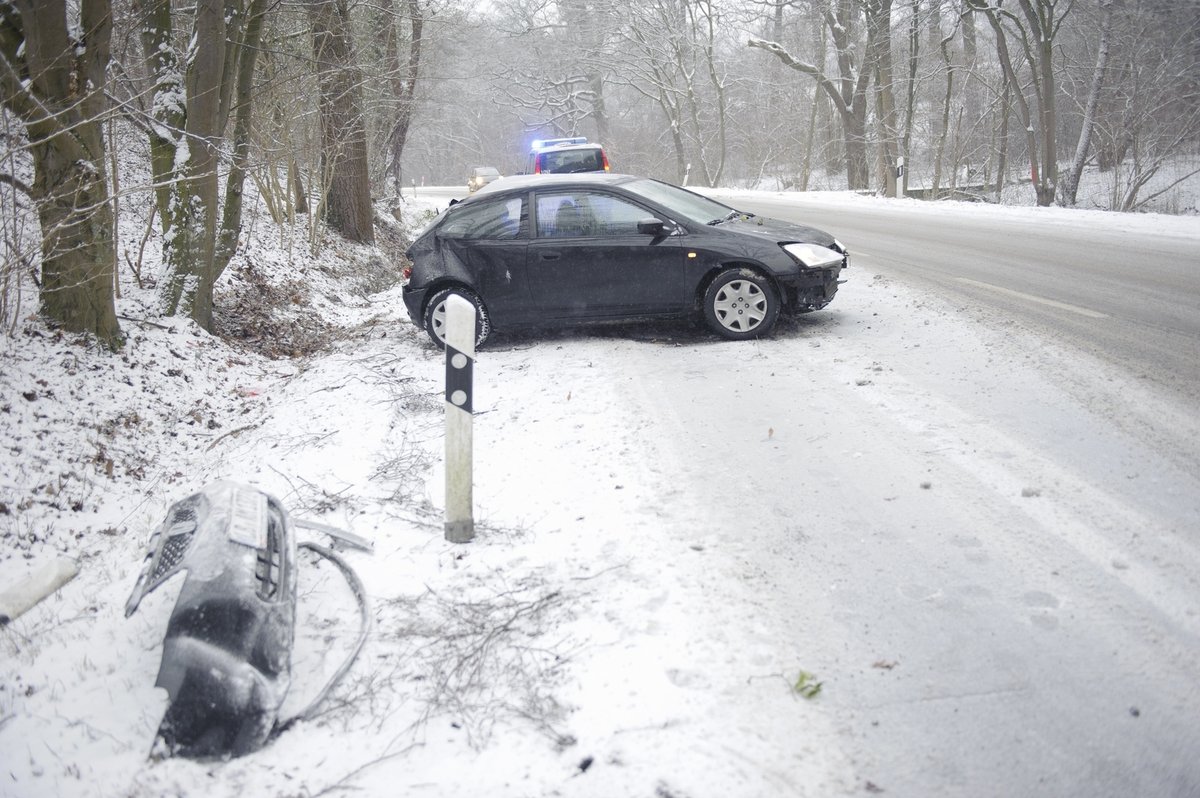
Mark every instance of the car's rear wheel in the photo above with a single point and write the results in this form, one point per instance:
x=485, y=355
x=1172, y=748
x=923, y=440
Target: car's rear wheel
x=435, y=316
x=740, y=304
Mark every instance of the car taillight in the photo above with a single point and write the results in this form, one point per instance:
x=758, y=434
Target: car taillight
x=537, y=166
x=604, y=159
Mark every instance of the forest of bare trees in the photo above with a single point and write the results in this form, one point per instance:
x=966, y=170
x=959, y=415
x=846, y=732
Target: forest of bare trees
x=130, y=119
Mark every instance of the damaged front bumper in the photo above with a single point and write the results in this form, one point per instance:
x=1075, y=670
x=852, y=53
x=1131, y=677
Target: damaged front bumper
x=226, y=661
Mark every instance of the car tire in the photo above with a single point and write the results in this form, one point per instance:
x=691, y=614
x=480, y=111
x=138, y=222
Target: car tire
x=741, y=304
x=435, y=316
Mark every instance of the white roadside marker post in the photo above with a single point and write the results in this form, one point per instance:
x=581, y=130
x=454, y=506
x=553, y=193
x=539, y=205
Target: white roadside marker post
x=460, y=362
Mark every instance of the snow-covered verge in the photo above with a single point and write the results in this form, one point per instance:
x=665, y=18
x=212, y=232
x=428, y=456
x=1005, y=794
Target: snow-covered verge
x=514, y=665
x=1173, y=190
x=624, y=624
x=1083, y=220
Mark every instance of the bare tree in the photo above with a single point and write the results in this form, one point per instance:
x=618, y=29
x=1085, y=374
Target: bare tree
x=1070, y=184
x=943, y=129
x=557, y=63
x=402, y=79
x=55, y=84
x=878, y=14
x=1033, y=30
x=243, y=112
x=191, y=100
x=347, y=177
x=847, y=89
x=1148, y=125
x=673, y=62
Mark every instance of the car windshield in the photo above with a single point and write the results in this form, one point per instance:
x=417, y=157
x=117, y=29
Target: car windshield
x=692, y=207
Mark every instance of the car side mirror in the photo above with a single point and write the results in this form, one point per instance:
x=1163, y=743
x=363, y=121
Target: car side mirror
x=651, y=226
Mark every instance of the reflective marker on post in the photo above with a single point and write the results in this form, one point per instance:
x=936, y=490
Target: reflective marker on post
x=460, y=362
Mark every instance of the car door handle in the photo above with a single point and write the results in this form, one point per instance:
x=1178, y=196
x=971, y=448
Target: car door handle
x=551, y=255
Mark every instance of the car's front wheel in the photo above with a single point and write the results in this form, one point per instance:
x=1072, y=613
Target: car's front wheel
x=740, y=304
x=435, y=316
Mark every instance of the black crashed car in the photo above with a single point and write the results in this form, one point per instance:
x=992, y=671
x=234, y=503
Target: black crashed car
x=559, y=250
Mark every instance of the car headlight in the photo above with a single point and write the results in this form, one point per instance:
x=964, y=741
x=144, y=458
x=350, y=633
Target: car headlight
x=813, y=256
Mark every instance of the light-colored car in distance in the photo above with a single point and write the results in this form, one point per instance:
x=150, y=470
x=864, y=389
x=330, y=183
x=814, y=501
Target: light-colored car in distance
x=480, y=176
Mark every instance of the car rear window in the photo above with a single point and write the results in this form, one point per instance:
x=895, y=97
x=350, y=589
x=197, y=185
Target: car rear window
x=496, y=219
x=565, y=161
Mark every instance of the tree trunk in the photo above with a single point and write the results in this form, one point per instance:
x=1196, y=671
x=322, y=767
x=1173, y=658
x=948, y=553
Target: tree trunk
x=1002, y=144
x=168, y=111
x=190, y=242
x=1047, y=187
x=944, y=132
x=403, y=81
x=858, y=173
x=347, y=180
x=879, y=48
x=718, y=84
x=61, y=102
x=672, y=114
x=189, y=112
x=849, y=97
x=1070, y=187
x=910, y=94
x=595, y=83
x=1013, y=85
x=77, y=238
x=811, y=133
x=243, y=109
x=1035, y=27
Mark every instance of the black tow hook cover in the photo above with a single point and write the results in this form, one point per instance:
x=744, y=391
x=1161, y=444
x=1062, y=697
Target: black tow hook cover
x=226, y=662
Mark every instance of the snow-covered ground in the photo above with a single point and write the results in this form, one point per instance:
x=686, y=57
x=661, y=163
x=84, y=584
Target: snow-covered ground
x=617, y=626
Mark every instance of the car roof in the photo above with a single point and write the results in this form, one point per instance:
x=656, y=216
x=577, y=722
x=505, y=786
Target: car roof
x=589, y=145
x=553, y=144
x=566, y=180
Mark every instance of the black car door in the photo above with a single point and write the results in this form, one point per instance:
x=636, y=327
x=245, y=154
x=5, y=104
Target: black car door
x=588, y=260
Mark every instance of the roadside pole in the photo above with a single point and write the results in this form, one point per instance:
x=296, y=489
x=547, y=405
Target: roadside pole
x=460, y=363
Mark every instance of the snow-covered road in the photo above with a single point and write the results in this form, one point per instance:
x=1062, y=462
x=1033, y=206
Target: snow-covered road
x=929, y=510
x=1124, y=288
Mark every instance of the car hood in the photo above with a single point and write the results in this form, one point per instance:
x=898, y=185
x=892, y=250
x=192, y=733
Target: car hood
x=777, y=230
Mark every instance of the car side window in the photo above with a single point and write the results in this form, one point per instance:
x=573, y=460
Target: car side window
x=504, y=219
x=585, y=213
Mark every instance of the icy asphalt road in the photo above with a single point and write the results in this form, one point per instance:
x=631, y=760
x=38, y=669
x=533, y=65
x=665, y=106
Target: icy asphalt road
x=1110, y=284
x=997, y=495
x=999, y=586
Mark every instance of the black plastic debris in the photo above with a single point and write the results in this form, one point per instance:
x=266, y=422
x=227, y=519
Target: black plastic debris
x=226, y=661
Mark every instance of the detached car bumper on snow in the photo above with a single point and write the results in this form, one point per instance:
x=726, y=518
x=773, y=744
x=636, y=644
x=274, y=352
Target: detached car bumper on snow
x=226, y=660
